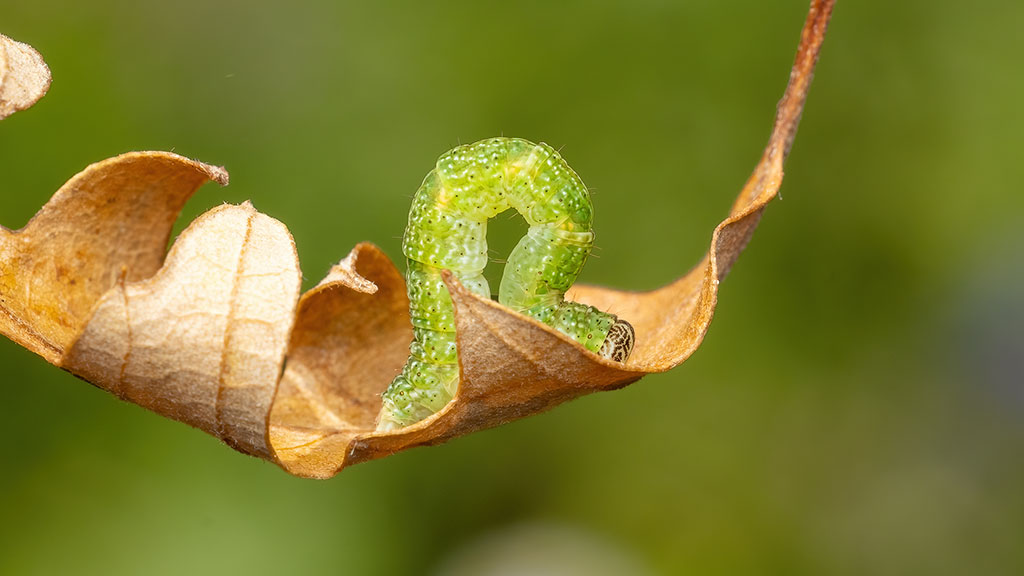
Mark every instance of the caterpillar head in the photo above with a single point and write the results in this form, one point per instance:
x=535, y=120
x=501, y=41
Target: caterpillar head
x=619, y=342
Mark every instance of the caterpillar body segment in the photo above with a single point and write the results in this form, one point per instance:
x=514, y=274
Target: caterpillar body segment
x=447, y=229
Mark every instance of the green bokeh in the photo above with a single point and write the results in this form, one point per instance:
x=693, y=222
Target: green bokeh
x=857, y=407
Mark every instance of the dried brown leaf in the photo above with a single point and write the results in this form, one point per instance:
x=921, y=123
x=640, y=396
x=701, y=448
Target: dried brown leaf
x=511, y=366
x=24, y=77
x=204, y=338
x=109, y=222
x=201, y=341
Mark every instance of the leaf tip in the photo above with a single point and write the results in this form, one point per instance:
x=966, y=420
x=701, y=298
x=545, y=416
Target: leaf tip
x=217, y=173
x=24, y=76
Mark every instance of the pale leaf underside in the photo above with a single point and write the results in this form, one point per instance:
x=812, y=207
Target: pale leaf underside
x=24, y=77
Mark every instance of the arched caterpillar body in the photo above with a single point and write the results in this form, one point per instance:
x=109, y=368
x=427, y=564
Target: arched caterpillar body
x=447, y=229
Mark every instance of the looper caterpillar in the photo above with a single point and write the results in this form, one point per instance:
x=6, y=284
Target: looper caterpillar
x=447, y=229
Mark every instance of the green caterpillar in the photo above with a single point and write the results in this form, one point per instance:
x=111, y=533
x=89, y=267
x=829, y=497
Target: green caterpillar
x=448, y=230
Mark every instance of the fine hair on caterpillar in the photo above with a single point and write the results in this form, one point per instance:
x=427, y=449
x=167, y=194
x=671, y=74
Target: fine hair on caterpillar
x=447, y=229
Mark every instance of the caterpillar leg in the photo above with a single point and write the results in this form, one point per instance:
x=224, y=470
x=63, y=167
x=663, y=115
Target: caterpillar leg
x=416, y=393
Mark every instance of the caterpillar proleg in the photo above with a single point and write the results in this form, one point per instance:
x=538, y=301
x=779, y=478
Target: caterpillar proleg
x=447, y=229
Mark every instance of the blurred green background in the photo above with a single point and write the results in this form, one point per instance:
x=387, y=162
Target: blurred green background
x=857, y=406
